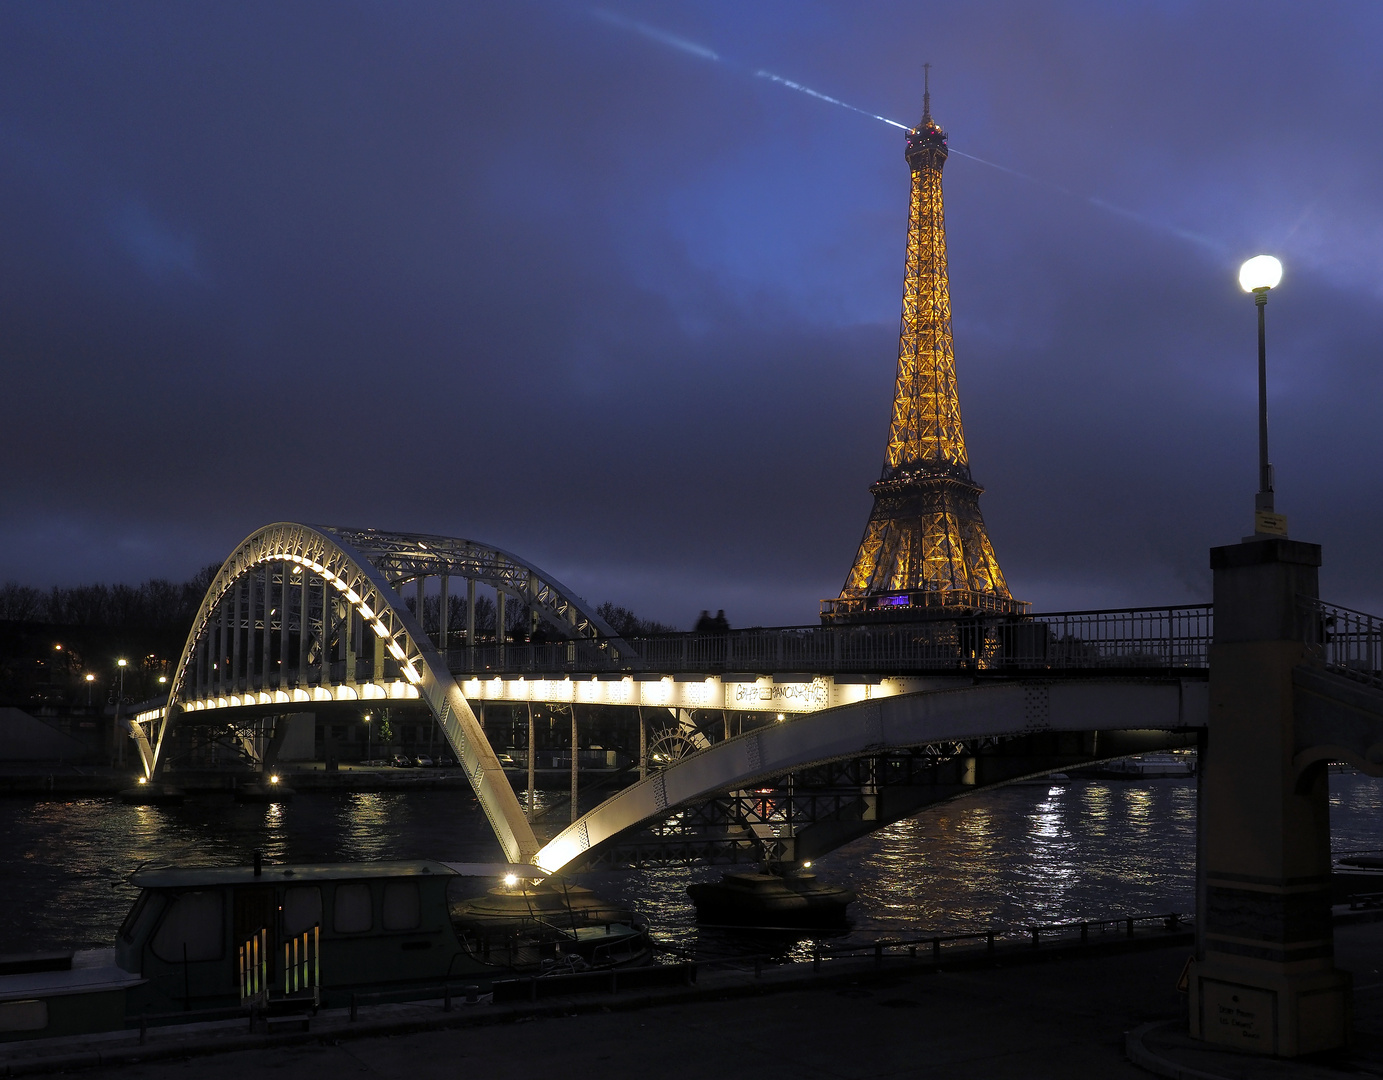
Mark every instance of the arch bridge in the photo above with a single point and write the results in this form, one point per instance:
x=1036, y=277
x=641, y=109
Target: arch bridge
x=842, y=729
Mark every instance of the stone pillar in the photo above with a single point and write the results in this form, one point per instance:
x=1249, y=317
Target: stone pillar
x=1265, y=979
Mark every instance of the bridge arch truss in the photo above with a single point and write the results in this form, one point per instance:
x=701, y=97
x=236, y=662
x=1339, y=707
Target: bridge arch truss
x=303, y=614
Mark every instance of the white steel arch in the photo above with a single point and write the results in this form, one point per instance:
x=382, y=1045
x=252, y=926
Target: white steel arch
x=906, y=720
x=402, y=557
x=363, y=577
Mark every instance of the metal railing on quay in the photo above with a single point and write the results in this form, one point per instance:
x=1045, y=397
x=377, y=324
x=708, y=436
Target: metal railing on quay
x=935, y=947
x=1347, y=642
x=1137, y=638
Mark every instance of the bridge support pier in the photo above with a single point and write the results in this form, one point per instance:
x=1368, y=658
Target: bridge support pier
x=1264, y=979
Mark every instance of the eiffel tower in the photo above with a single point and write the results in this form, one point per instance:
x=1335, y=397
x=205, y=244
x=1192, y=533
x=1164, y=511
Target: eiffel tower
x=925, y=552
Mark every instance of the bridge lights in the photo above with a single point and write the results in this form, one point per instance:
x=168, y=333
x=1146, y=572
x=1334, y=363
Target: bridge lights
x=1257, y=276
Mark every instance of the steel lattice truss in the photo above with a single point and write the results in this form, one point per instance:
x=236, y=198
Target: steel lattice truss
x=925, y=544
x=403, y=557
x=300, y=614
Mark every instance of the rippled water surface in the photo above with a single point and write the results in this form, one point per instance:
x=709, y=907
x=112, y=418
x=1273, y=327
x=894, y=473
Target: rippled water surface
x=1088, y=849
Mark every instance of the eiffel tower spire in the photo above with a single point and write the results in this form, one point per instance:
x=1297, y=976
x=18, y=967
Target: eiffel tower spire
x=925, y=549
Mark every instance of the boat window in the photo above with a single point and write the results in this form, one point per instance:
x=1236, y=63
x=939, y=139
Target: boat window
x=191, y=929
x=352, y=912
x=302, y=909
x=145, y=908
x=402, y=910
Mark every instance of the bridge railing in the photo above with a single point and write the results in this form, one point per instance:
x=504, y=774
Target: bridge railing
x=1348, y=642
x=1136, y=638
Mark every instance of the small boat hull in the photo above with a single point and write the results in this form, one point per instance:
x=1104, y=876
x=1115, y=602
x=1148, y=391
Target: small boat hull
x=771, y=900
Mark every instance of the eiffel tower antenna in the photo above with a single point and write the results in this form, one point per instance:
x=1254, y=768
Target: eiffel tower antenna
x=925, y=550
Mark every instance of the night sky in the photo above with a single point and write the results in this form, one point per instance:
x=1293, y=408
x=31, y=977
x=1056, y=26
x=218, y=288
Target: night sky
x=578, y=282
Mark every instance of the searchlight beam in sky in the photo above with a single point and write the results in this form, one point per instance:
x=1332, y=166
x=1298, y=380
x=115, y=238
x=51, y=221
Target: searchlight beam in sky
x=701, y=52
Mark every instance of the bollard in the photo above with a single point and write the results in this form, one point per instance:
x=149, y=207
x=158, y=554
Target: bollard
x=912, y=952
x=758, y=967
x=353, y=1007
x=1035, y=932
x=816, y=961
x=878, y=952
x=532, y=988
x=143, y=1029
x=936, y=950
x=472, y=995
x=446, y=998
x=614, y=980
x=1129, y=920
x=989, y=941
x=1084, y=933
x=1173, y=921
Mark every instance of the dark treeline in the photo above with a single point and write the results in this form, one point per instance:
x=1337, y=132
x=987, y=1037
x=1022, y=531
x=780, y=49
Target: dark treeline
x=155, y=605
x=626, y=624
x=161, y=604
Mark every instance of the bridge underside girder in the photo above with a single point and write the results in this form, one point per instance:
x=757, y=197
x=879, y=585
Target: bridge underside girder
x=962, y=716
x=810, y=813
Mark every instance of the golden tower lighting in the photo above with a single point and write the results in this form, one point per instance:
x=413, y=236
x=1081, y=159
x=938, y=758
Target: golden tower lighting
x=925, y=550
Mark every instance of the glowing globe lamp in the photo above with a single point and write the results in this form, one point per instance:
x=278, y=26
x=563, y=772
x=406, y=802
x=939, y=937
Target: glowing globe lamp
x=1260, y=272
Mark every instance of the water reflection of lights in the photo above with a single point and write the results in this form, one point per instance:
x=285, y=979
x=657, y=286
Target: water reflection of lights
x=1095, y=799
x=1139, y=805
x=964, y=866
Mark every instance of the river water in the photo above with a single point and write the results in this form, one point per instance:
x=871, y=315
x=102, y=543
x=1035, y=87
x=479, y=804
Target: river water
x=1085, y=850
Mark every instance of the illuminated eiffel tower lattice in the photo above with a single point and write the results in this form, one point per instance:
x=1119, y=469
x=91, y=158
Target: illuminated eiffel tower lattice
x=925, y=551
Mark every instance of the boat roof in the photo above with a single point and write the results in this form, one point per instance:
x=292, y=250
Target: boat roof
x=189, y=877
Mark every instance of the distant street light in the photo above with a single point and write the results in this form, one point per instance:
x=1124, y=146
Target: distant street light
x=1258, y=275
x=119, y=705
x=90, y=678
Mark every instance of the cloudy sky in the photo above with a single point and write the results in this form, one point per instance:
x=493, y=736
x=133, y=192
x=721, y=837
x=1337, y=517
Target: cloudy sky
x=581, y=283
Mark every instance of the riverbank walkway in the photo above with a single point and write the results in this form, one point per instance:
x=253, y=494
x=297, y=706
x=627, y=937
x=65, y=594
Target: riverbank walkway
x=1010, y=1016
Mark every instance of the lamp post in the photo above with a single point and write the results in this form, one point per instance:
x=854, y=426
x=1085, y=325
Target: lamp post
x=367, y=737
x=90, y=678
x=1257, y=276
x=119, y=706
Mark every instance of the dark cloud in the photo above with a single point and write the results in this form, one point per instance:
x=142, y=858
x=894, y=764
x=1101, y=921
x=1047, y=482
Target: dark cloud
x=529, y=275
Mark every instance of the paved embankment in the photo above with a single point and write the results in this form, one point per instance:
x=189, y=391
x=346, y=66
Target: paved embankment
x=1017, y=1014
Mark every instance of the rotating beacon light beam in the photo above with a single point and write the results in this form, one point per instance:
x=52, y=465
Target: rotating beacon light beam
x=1258, y=276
